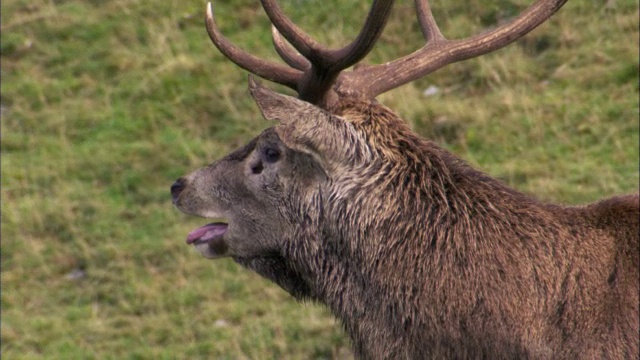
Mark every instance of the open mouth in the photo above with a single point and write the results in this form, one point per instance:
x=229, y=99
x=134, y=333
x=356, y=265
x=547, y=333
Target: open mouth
x=209, y=239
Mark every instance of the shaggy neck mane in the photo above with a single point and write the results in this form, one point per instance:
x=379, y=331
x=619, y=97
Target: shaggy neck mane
x=419, y=232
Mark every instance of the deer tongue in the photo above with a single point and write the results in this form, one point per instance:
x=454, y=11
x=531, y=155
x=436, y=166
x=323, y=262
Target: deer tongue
x=207, y=232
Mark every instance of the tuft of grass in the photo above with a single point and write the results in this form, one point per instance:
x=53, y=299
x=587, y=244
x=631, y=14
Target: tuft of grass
x=104, y=104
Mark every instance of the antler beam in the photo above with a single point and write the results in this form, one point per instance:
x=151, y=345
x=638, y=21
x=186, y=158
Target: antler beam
x=326, y=63
x=439, y=52
x=265, y=69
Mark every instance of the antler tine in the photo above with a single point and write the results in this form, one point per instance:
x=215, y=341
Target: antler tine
x=434, y=55
x=322, y=56
x=265, y=69
x=428, y=26
x=287, y=53
x=294, y=35
x=369, y=34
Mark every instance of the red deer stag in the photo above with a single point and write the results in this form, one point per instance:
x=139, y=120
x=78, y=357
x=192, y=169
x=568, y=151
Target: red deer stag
x=418, y=254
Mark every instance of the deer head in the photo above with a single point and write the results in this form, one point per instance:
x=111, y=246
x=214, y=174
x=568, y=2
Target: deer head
x=324, y=143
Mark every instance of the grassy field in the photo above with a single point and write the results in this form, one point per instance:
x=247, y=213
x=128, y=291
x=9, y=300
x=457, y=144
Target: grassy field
x=105, y=103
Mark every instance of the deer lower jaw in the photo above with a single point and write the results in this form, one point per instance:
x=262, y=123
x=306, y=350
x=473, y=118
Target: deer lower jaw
x=209, y=240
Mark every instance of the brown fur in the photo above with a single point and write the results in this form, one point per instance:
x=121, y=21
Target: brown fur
x=418, y=254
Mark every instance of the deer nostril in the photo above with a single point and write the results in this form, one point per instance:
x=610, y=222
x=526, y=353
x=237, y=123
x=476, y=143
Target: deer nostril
x=177, y=188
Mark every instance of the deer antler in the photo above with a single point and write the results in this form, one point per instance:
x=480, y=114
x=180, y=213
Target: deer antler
x=316, y=68
x=439, y=52
x=265, y=69
x=316, y=72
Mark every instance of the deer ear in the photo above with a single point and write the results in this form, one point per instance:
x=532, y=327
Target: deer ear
x=305, y=127
x=275, y=106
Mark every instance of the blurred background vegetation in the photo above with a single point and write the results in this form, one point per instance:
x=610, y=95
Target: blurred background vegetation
x=105, y=103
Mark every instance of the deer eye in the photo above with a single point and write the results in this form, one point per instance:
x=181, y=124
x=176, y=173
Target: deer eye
x=271, y=155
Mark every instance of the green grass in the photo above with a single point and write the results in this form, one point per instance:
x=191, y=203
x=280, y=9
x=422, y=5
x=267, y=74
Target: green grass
x=105, y=103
